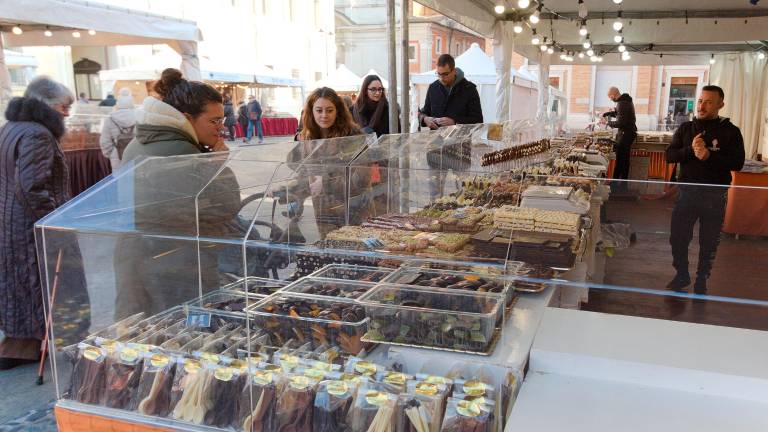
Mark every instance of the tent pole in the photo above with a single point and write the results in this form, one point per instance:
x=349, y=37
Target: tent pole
x=392, y=59
x=405, y=108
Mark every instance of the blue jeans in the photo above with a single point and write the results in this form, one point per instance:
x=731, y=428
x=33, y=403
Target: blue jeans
x=259, y=132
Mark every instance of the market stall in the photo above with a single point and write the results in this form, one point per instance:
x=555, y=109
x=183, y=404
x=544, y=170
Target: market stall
x=80, y=144
x=343, y=80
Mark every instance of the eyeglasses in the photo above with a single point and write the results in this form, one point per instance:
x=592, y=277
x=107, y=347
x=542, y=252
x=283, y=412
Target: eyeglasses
x=217, y=121
x=376, y=89
x=443, y=74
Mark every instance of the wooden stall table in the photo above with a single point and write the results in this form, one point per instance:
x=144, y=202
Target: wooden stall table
x=279, y=126
x=747, y=211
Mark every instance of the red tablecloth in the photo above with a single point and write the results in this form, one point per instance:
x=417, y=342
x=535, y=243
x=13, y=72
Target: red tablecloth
x=278, y=126
x=747, y=211
x=86, y=168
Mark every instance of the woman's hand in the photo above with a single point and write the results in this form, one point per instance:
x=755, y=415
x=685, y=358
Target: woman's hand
x=220, y=146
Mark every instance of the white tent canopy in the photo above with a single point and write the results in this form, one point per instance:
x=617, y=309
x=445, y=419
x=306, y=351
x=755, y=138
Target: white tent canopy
x=372, y=71
x=113, y=26
x=342, y=79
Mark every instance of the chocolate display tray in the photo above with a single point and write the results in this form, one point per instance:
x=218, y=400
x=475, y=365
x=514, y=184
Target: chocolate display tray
x=487, y=352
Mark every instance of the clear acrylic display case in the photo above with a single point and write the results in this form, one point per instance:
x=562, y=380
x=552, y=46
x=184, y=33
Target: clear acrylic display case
x=164, y=232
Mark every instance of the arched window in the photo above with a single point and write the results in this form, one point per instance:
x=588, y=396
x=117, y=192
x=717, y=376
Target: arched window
x=87, y=79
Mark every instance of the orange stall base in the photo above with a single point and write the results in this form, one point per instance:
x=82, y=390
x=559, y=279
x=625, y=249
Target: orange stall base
x=74, y=421
x=747, y=211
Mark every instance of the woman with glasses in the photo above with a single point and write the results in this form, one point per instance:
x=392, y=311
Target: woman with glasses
x=371, y=110
x=182, y=198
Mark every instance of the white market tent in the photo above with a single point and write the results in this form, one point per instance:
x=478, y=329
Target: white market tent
x=113, y=26
x=656, y=32
x=341, y=80
x=373, y=71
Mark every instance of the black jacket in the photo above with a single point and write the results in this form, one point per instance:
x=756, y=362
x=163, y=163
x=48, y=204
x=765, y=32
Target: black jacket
x=726, y=151
x=229, y=114
x=462, y=103
x=624, y=113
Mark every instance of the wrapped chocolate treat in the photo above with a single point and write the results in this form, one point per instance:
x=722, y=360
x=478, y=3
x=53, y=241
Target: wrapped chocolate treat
x=224, y=390
x=195, y=400
x=293, y=411
x=258, y=400
x=332, y=403
x=373, y=410
x=465, y=416
x=358, y=366
x=123, y=373
x=88, y=376
x=186, y=373
x=393, y=382
x=154, y=394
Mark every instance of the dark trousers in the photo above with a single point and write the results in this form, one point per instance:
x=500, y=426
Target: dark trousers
x=623, y=150
x=231, y=129
x=707, y=205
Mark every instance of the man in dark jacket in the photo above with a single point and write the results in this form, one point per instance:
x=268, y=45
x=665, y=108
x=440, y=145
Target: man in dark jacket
x=707, y=149
x=451, y=99
x=254, y=119
x=627, y=132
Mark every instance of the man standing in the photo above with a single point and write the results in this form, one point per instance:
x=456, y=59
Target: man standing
x=627, y=132
x=707, y=149
x=254, y=119
x=451, y=99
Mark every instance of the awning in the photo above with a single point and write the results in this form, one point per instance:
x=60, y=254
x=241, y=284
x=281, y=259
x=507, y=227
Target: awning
x=342, y=80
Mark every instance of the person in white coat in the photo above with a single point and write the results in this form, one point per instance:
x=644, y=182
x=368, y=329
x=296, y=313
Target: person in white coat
x=119, y=123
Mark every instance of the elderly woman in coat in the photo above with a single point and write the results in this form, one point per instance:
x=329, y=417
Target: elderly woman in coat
x=33, y=183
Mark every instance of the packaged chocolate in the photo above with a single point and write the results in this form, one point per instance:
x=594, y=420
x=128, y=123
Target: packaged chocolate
x=88, y=375
x=154, y=394
x=332, y=403
x=122, y=376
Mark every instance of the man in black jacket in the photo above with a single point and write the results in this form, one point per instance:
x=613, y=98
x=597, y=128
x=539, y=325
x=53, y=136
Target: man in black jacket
x=451, y=99
x=626, y=124
x=707, y=149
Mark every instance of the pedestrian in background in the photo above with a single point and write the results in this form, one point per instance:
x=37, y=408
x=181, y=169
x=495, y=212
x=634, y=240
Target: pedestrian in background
x=371, y=110
x=117, y=130
x=229, y=117
x=254, y=120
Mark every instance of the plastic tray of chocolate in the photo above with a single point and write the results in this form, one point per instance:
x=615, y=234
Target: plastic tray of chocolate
x=352, y=272
x=311, y=286
x=427, y=317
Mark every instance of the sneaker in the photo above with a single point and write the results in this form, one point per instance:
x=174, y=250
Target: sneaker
x=679, y=282
x=700, y=286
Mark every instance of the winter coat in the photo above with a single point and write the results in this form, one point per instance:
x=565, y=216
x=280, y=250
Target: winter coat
x=242, y=116
x=254, y=110
x=174, y=197
x=229, y=114
x=34, y=181
x=624, y=113
x=461, y=102
x=110, y=130
x=371, y=120
x=726, y=151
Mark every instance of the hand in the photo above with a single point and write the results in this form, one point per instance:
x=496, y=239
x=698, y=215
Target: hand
x=702, y=153
x=316, y=186
x=698, y=143
x=445, y=121
x=430, y=123
x=220, y=146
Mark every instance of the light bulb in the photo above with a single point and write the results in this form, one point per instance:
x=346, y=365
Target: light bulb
x=550, y=50
x=534, y=18
x=761, y=55
x=618, y=25
x=583, y=29
x=562, y=56
x=593, y=59
x=581, y=55
x=582, y=9
x=518, y=28
x=543, y=48
x=600, y=59
x=17, y=30
x=587, y=44
x=535, y=39
x=48, y=33
x=625, y=56
x=617, y=1
x=712, y=59
x=591, y=52
x=92, y=32
x=618, y=38
x=622, y=48
x=523, y=3
x=75, y=34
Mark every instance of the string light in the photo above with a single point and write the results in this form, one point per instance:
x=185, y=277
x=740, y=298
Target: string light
x=618, y=24
x=625, y=56
x=550, y=50
x=617, y=1
x=599, y=59
x=92, y=32
x=581, y=55
x=622, y=48
x=75, y=34
x=523, y=3
x=582, y=9
x=544, y=45
x=591, y=52
x=587, y=43
x=593, y=58
x=712, y=59
x=535, y=39
x=619, y=37
x=583, y=28
x=17, y=30
x=760, y=55
x=47, y=32
x=518, y=27
x=534, y=18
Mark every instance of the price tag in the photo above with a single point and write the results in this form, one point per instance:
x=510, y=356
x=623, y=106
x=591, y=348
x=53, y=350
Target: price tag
x=199, y=319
